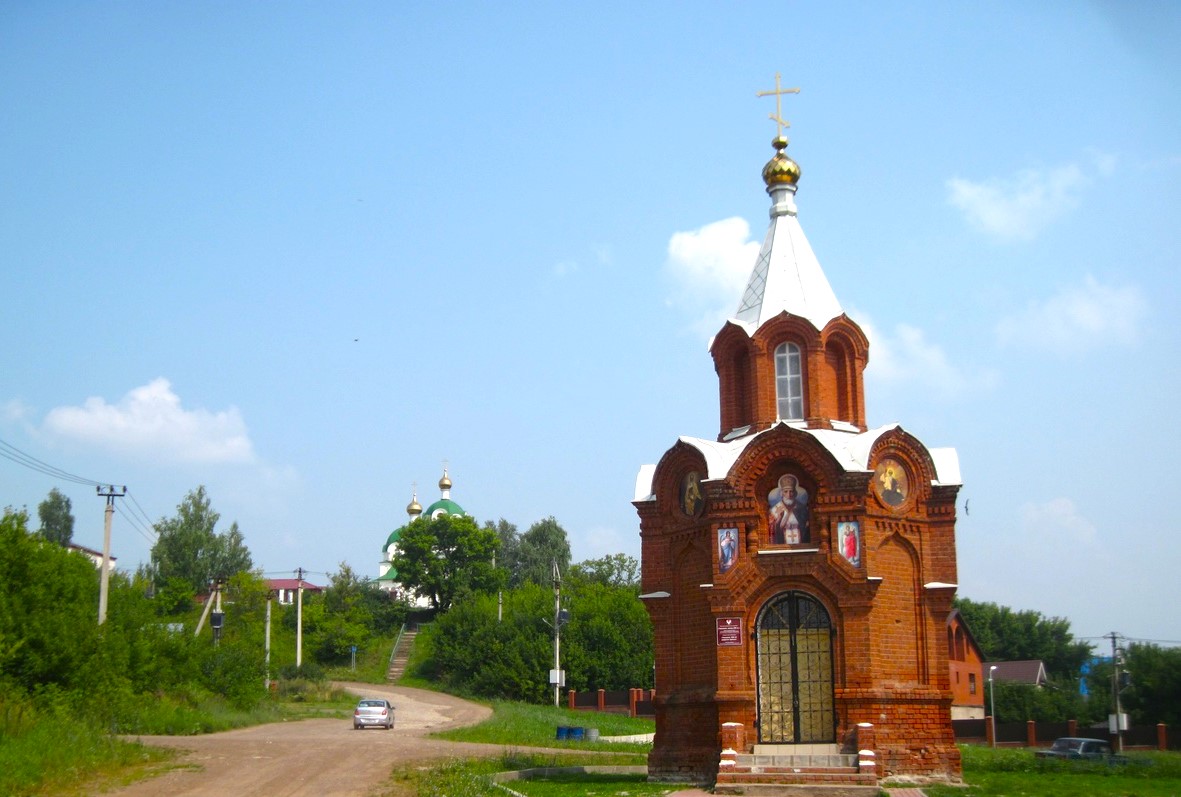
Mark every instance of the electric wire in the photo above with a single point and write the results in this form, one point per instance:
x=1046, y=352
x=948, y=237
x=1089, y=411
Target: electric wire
x=14, y=454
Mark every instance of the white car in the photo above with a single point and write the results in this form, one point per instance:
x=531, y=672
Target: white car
x=373, y=711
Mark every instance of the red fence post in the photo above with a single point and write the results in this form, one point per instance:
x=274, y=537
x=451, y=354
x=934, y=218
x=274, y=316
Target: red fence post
x=632, y=695
x=1072, y=727
x=570, y=700
x=989, y=725
x=602, y=699
x=1162, y=737
x=1030, y=733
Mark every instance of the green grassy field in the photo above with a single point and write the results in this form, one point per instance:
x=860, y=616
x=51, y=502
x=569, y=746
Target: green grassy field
x=524, y=725
x=1014, y=772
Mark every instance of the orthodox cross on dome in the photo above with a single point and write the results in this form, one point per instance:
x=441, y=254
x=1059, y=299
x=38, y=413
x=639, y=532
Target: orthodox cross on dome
x=777, y=117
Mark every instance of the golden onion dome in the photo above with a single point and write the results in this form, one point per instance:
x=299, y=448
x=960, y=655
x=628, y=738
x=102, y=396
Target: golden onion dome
x=444, y=483
x=414, y=508
x=781, y=170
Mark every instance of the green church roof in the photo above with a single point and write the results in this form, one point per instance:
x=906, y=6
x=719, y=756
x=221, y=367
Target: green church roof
x=394, y=536
x=448, y=506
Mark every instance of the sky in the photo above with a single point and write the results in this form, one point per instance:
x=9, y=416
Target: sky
x=304, y=254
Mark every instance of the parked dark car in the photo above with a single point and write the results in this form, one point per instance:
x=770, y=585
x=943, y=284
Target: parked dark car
x=373, y=711
x=1076, y=748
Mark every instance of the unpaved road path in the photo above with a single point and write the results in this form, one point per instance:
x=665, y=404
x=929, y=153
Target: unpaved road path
x=315, y=757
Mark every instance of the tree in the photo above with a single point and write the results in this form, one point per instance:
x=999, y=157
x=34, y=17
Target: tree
x=508, y=555
x=189, y=549
x=1154, y=692
x=446, y=558
x=543, y=544
x=57, y=524
x=613, y=570
x=1007, y=635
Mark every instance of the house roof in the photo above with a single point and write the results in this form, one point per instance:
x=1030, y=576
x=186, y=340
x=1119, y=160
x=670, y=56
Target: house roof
x=1030, y=671
x=73, y=546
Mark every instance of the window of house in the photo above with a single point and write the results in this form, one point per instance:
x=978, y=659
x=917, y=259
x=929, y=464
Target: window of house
x=789, y=382
x=971, y=683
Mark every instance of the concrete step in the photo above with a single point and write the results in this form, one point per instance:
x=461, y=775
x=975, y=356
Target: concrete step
x=798, y=789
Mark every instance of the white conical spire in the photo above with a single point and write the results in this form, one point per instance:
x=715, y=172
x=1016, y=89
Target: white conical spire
x=787, y=276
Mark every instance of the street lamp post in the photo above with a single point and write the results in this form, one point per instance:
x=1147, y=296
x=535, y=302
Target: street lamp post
x=992, y=702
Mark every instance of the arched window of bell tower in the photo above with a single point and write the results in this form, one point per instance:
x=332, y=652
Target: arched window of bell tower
x=789, y=382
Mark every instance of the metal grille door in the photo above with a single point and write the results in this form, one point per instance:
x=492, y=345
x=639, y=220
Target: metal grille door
x=795, y=672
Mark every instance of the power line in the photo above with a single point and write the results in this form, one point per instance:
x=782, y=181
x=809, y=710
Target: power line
x=14, y=454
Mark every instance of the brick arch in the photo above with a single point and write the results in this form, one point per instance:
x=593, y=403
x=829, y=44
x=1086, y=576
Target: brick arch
x=692, y=567
x=846, y=353
x=895, y=613
x=906, y=447
x=734, y=362
x=666, y=480
x=779, y=444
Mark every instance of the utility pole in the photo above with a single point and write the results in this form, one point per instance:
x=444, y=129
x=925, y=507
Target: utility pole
x=299, y=619
x=556, y=677
x=499, y=595
x=267, y=676
x=1119, y=715
x=105, y=575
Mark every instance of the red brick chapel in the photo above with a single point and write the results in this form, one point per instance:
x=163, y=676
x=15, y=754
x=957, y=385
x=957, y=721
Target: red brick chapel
x=799, y=569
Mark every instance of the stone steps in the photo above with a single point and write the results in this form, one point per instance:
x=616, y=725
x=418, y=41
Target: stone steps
x=791, y=770
x=401, y=656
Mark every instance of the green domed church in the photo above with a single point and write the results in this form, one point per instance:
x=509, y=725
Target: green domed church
x=387, y=577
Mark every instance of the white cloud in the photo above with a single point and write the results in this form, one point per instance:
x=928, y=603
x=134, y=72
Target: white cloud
x=710, y=266
x=150, y=423
x=14, y=411
x=1019, y=207
x=1055, y=525
x=564, y=268
x=1078, y=318
x=906, y=357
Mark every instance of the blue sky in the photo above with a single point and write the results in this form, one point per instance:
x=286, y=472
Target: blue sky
x=304, y=253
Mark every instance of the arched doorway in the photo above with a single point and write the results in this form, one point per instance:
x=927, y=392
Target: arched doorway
x=794, y=644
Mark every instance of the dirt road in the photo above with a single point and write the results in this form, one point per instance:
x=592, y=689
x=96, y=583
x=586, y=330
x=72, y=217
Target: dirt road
x=315, y=757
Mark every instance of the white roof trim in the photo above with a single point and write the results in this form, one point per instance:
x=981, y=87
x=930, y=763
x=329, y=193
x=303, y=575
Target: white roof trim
x=849, y=448
x=658, y=594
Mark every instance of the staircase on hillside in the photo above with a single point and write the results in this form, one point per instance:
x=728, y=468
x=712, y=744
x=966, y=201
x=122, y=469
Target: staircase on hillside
x=401, y=654
x=796, y=771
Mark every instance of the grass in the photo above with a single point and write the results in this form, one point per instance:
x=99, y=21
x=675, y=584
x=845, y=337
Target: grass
x=525, y=725
x=372, y=664
x=43, y=752
x=55, y=758
x=473, y=778
x=1014, y=772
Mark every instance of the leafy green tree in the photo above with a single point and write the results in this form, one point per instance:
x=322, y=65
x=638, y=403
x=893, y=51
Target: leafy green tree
x=57, y=523
x=189, y=548
x=1007, y=635
x=608, y=641
x=507, y=556
x=446, y=558
x=543, y=544
x=514, y=655
x=614, y=570
x=1153, y=691
x=48, y=609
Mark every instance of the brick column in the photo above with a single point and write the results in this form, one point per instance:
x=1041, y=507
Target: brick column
x=1030, y=733
x=733, y=741
x=866, y=756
